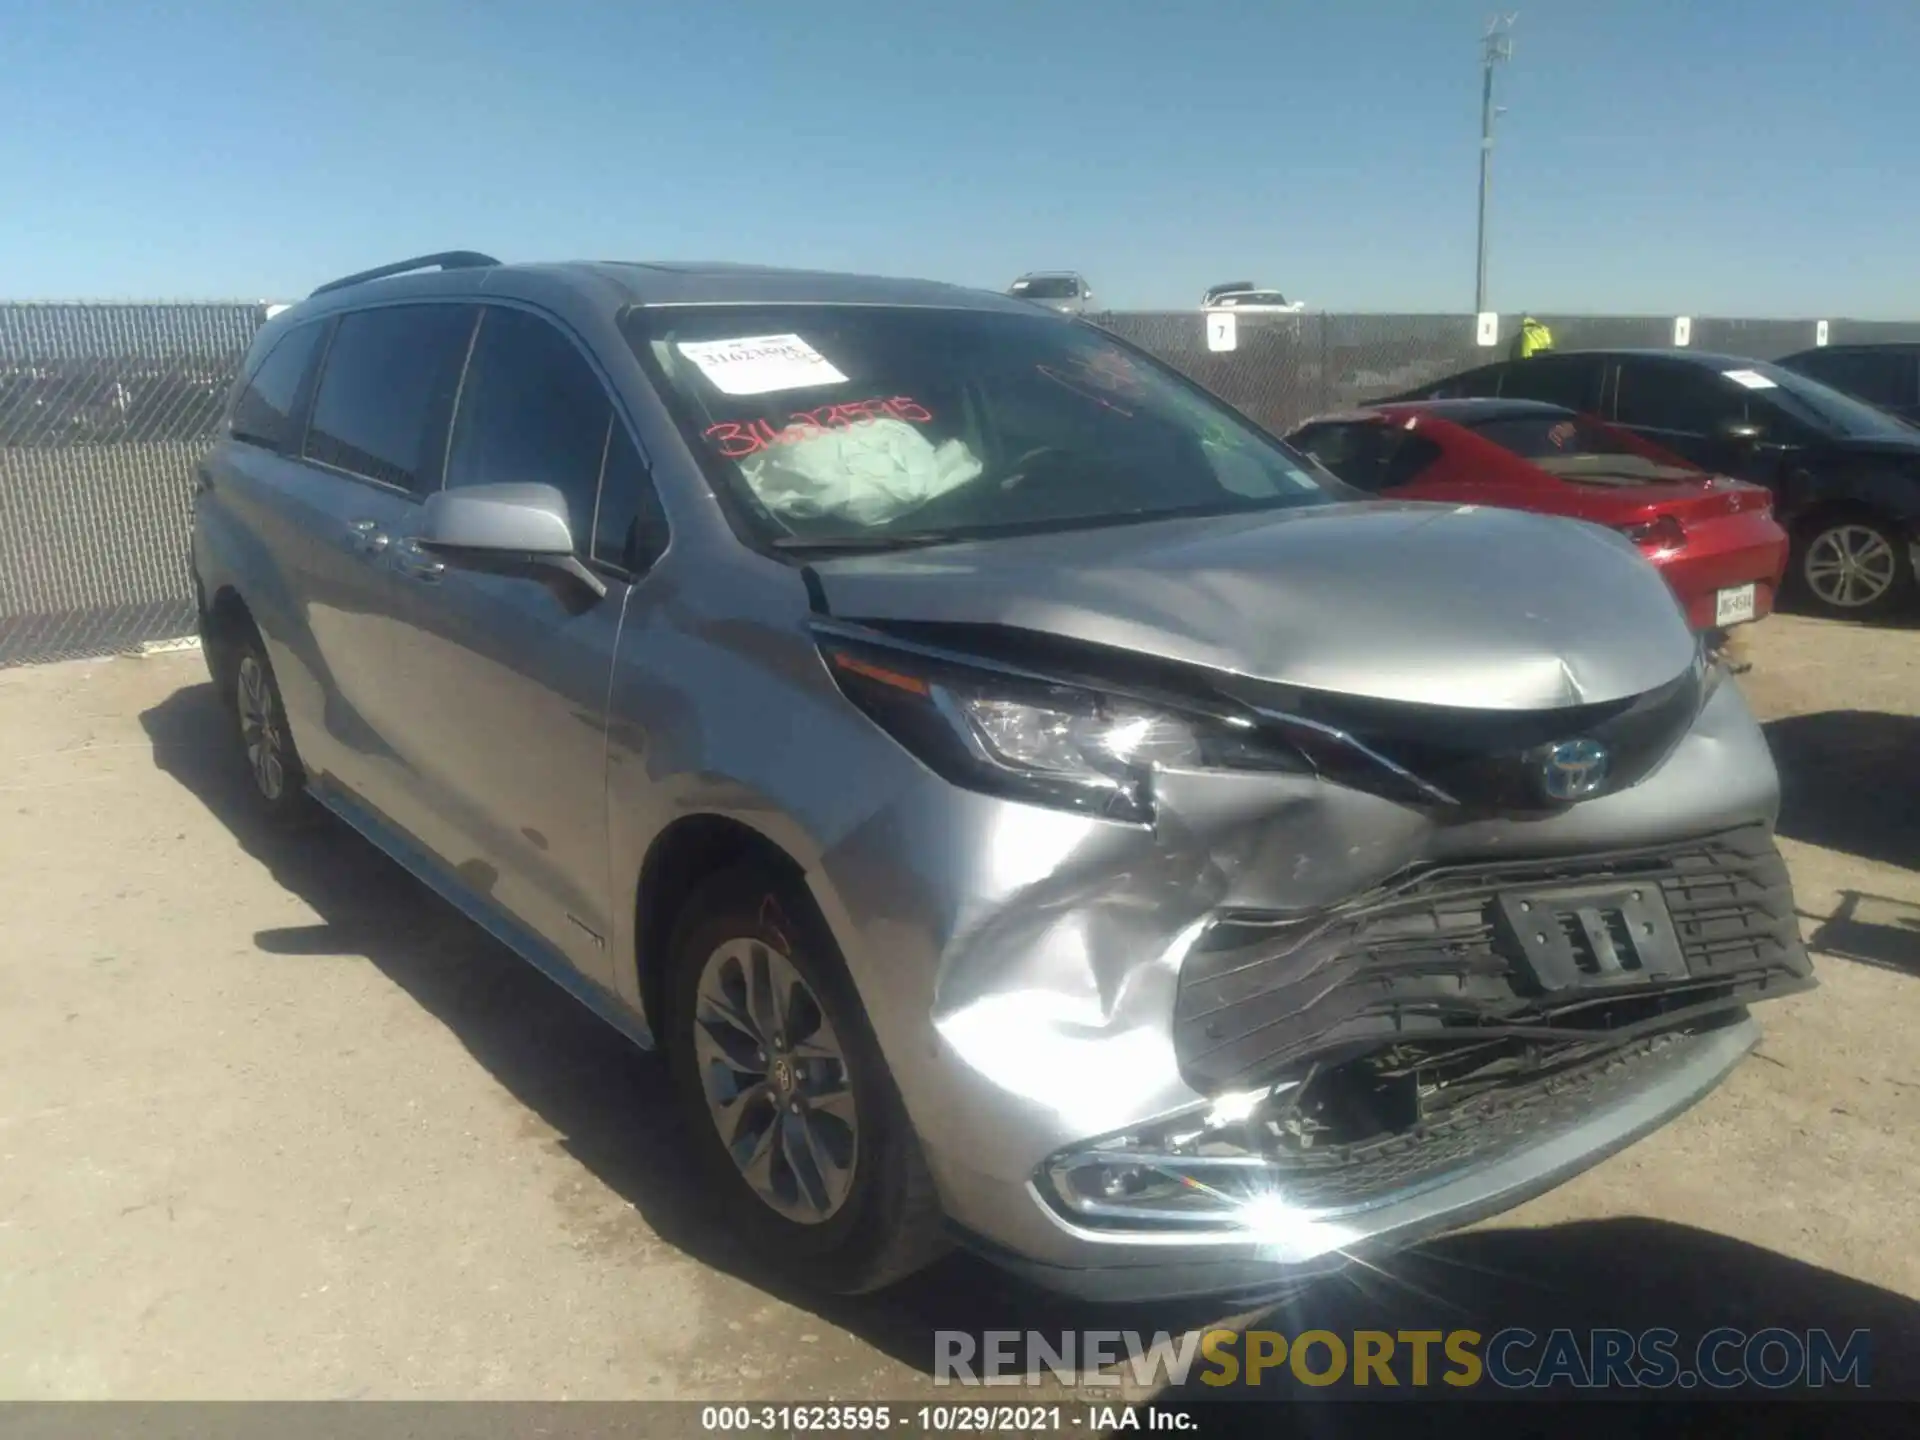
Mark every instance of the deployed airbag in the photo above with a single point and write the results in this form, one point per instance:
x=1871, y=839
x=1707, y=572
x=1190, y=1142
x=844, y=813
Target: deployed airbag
x=869, y=473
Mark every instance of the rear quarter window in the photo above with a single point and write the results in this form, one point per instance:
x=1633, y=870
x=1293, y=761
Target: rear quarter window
x=263, y=409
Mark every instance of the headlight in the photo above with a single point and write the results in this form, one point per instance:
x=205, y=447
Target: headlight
x=1029, y=739
x=1213, y=1165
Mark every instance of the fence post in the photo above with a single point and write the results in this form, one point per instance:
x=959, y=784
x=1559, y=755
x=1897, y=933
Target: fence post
x=1324, y=400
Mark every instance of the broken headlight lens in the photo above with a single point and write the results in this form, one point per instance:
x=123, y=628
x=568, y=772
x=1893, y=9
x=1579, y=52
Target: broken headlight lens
x=1053, y=744
x=1209, y=1166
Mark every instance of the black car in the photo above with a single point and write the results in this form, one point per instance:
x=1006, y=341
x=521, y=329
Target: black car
x=1883, y=375
x=1845, y=476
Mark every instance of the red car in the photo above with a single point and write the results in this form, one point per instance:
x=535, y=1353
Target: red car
x=1714, y=538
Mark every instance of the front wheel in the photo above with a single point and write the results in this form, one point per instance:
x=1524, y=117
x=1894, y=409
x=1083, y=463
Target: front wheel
x=1854, y=566
x=784, y=1095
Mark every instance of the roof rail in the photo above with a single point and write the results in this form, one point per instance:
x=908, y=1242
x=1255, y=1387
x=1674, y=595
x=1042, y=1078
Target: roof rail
x=445, y=260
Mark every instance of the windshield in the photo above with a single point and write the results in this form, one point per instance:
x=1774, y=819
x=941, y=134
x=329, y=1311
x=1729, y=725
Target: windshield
x=1047, y=287
x=869, y=424
x=1819, y=405
x=1254, y=297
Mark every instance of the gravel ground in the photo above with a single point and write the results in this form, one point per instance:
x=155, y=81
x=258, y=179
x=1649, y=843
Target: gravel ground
x=275, y=1123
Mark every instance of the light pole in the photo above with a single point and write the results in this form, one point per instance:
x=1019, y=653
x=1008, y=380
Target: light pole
x=1496, y=46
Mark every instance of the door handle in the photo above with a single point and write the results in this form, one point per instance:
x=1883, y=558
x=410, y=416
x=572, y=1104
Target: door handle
x=368, y=537
x=417, y=564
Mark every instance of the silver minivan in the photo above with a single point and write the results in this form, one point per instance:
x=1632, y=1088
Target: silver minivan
x=1031, y=807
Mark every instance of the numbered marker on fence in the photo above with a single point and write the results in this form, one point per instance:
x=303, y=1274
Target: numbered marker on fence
x=1683, y=330
x=1222, y=330
x=1486, y=328
x=1819, y=332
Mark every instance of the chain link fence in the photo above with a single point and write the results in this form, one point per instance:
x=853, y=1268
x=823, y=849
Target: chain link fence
x=105, y=409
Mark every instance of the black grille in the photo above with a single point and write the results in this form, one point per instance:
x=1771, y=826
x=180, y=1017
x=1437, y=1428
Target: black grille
x=1430, y=952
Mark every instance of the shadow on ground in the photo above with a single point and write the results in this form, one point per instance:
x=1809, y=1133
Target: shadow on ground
x=607, y=1101
x=1870, y=930
x=608, y=1104
x=1629, y=1273
x=1790, y=603
x=1846, y=782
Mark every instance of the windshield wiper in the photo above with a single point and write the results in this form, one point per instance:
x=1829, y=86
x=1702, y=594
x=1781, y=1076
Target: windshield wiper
x=906, y=540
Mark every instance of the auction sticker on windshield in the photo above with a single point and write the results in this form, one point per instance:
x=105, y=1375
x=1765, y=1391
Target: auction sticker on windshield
x=761, y=364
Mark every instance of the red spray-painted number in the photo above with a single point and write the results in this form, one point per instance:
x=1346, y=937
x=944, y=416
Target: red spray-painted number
x=737, y=439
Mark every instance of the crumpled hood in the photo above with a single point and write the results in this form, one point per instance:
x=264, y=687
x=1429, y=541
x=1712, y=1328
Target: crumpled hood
x=1438, y=605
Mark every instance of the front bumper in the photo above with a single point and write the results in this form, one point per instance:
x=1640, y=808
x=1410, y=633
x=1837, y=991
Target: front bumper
x=1292, y=1246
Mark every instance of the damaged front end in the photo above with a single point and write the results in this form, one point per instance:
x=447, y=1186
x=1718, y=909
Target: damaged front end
x=1344, y=1138
x=1439, y=1022
x=1316, y=971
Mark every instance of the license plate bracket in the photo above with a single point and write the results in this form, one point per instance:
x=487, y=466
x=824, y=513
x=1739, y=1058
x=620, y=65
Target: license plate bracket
x=1734, y=606
x=1588, y=937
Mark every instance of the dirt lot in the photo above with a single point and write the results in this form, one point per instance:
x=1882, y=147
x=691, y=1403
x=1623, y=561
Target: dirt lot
x=274, y=1122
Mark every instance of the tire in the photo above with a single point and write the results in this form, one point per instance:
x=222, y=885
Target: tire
x=1852, y=565
x=277, y=780
x=841, y=1200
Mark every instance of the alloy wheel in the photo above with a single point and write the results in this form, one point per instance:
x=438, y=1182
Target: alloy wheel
x=260, y=728
x=1850, y=566
x=776, y=1081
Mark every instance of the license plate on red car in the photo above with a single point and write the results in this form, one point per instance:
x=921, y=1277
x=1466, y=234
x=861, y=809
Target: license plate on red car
x=1730, y=607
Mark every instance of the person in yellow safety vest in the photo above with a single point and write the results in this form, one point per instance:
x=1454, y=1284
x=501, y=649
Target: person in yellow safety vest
x=1533, y=338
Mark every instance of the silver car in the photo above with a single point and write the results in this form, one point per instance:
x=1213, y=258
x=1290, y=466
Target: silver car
x=1031, y=807
x=1061, y=290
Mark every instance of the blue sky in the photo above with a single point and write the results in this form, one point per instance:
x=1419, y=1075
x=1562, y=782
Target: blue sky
x=1732, y=157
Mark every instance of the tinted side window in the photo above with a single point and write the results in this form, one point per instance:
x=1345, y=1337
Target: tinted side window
x=631, y=529
x=263, y=410
x=1472, y=385
x=1886, y=378
x=1572, y=381
x=1826, y=366
x=1349, y=451
x=1369, y=456
x=1682, y=398
x=1409, y=456
x=532, y=412
x=389, y=381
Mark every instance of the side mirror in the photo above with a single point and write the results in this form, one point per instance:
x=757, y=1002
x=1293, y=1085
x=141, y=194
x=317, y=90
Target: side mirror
x=1742, y=432
x=504, y=528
